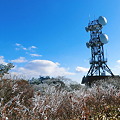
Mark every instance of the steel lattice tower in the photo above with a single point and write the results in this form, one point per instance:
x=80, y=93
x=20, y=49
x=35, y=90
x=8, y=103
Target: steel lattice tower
x=98, y=63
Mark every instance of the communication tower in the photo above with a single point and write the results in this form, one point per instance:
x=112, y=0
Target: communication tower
x=98, y=63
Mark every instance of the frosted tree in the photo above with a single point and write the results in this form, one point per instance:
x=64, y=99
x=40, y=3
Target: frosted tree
x=5, y=68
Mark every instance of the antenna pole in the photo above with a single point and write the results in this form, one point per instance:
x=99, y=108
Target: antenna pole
x=98, y=64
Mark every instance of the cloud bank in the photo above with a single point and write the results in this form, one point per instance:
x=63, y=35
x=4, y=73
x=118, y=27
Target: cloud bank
x=35, y=68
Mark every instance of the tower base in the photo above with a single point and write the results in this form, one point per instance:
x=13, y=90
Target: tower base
x=88, y=80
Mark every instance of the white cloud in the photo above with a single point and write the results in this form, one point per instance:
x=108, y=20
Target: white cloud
x=35, y=55
x=118, y=61
x=2, y=61
x=81, y=69
x=19, y=60
x=24, y=48
x=20, y=46
x=116, y=69
x=33, y=47
x=17, y=44
x=42, y=67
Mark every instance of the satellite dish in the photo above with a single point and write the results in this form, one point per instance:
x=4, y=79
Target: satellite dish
x=102, y=20
x=103, y=38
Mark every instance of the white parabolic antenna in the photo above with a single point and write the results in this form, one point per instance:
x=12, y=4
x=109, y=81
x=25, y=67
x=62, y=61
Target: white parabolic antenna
x=103, y=38
x=102, y=20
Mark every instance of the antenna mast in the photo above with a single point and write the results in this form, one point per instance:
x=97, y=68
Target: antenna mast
x=98, y=63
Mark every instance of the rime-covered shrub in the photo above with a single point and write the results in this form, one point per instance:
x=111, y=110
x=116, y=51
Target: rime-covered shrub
x=14, y=96
x=19, y=101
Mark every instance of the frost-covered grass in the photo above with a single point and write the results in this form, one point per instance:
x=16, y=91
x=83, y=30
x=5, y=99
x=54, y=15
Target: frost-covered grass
x=20, y=101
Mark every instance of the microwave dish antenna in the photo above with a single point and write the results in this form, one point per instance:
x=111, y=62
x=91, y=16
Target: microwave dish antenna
x=104, y=38
x=102, y=20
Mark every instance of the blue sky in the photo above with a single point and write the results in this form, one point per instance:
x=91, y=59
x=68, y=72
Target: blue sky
x=47, y=37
